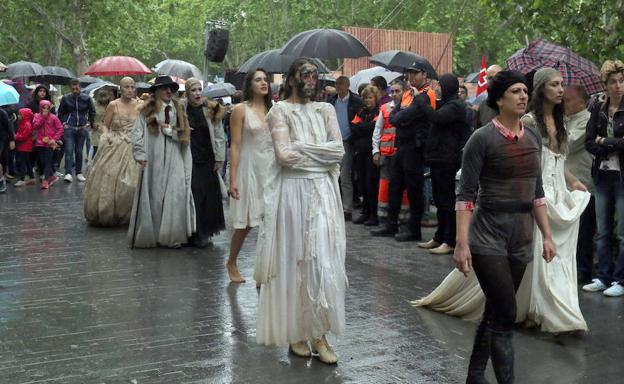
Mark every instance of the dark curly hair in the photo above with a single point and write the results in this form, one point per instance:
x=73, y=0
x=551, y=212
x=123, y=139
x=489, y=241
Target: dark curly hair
x=536, y=106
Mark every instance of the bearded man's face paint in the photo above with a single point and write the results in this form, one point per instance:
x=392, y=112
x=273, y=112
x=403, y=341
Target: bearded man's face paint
x=307, y=80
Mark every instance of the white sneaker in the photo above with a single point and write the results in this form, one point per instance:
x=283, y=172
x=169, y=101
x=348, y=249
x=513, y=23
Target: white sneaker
x=615, y=290
x=58, y=174
x=595, y=286
x=68, y=178
x=80, y=177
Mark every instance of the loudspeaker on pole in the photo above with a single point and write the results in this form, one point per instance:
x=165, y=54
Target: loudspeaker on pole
x=217, y=41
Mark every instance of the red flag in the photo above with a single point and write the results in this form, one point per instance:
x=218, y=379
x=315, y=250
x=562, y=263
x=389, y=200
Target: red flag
x=482, y=85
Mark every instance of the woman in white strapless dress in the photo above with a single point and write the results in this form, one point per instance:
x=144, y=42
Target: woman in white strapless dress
x=548, y=295
x=251, y=153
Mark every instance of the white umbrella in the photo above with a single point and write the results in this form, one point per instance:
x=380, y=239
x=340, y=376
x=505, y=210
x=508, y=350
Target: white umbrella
x=365, y=76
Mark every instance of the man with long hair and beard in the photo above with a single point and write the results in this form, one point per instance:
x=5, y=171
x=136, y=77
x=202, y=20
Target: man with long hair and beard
x=301, y=246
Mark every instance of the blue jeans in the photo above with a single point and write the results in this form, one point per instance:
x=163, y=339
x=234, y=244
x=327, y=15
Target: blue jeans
x=74, y=140
x=609, y=192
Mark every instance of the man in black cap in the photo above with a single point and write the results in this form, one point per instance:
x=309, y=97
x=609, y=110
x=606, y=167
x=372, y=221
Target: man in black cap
x=407, y=167
x=163, y=212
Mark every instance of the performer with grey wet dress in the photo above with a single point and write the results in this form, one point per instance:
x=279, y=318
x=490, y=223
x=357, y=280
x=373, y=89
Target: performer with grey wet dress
x=501, y=168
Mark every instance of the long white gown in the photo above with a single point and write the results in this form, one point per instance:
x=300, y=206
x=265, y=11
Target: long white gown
x=548, y=293
x=301, y=242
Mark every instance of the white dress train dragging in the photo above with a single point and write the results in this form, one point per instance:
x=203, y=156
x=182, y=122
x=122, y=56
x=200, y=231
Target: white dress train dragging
x=548, y=294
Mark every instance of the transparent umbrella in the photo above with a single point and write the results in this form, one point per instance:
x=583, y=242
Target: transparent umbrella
x=219, y=90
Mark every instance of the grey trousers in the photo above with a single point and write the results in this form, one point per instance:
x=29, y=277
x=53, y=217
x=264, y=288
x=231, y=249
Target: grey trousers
x=346, y=179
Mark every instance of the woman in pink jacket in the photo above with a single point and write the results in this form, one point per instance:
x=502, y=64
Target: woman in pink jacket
x=49, y=131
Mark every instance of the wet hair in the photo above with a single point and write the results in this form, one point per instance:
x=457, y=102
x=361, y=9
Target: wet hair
x=536, y=106
x=248, y=89
x=372, y=91
x=499, y=84
x=292, y=72
x=611, y=67
x=73, y=82
x=380, y=82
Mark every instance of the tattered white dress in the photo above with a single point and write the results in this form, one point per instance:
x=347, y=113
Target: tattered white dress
x=301, y=245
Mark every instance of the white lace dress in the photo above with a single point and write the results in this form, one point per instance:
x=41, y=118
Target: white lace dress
x=548, y=294
x=255, y=156
x=301, y=244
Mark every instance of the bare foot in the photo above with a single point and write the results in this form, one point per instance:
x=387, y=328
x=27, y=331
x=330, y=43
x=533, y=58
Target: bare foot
x=235, y=276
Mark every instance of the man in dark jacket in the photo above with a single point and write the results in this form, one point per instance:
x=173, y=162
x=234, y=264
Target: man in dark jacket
x=347, y=105
x=77, y=113
x=7, y=142
x=449, y=132
x=407, y=167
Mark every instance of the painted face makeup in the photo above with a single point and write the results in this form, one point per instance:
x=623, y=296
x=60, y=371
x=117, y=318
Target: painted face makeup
x=307, y=81
x=195, y=94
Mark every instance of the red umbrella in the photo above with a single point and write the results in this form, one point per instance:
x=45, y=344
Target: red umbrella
x=117, y=66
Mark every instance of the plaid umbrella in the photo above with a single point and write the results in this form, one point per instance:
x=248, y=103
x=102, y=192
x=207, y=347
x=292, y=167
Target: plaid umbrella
x=574, y=68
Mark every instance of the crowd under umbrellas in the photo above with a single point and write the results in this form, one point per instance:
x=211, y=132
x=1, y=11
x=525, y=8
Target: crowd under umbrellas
x=319, y=45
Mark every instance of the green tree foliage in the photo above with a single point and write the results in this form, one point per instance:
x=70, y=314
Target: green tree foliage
x=74, y=33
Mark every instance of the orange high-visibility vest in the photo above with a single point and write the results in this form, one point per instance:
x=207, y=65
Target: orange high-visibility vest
x=408, y=97
x=388, y=133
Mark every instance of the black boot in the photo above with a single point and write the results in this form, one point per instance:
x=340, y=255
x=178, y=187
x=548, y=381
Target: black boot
x=412, y=234
x=387, y=230
x=501, y=348
x=480, y=355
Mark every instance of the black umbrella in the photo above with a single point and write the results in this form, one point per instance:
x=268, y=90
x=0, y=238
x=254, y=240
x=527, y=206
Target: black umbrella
x=88, y=80
x=92, y=88
x=178, y=68
x=272, y=62
x=399, y=61
x=325, y=44
x=24, y=69
x=219, y=90
x=55, y=75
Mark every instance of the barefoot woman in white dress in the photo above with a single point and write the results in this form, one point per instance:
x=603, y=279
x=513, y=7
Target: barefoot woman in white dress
x=251, y=152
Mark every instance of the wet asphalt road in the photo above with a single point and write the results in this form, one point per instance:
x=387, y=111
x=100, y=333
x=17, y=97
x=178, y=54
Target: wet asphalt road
x=78, y=306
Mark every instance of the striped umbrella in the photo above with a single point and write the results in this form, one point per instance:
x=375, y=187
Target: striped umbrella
x=574, y=69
